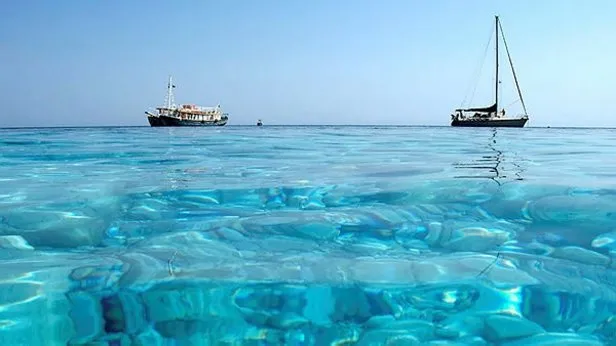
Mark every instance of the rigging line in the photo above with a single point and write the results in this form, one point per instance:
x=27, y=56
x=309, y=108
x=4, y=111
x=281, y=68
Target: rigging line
x=515, y=78
x=512, y=103
x=477, y=73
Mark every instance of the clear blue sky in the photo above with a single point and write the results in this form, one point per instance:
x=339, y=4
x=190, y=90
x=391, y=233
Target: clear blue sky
x=81, y=63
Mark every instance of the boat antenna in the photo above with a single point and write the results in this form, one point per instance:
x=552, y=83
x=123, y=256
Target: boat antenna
x=170, y=99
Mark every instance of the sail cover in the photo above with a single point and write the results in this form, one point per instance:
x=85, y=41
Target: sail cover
x=490, y=109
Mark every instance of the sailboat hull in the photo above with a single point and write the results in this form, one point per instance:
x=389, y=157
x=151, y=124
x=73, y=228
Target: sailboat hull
x=514, y=122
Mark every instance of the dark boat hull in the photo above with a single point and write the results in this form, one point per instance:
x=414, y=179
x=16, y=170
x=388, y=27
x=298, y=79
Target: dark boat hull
x=170, y=121
x=519, y=122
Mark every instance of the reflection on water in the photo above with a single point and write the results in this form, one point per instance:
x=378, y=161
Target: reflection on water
x=497, y=166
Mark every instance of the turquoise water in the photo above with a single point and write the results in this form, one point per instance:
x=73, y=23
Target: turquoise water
x=307, y=236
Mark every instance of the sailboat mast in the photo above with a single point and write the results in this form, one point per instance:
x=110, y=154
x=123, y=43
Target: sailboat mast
x=496, y=86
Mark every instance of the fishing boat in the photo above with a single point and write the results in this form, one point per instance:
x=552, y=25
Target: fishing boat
x=490, y=116
x=259, y=122
x=186, y=114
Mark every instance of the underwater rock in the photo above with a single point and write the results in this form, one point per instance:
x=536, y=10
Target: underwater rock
x=15, y=242
x=194, y=241
x=149, y=337
x=268, y=306
x=537, y=248
x=502, y=327
x=379, y=321
x=60, y=225
x=145, y=268
x=318, y=230
x=605, y=240
x=86, y=314
x=446, y=333
x=70, y=233
x=113, y=339
x=420, y=329
x=570, y=210
x=556, y=339
x=446, y=298
x=463, y=235
x=567, y=309
x=475, y=239
x=382, y=270
x=463, y=325
x=319, y=304
x=368, y=247
x=411, y=236
x=180, y=329
x=343, y=334
x=250, y=336
x=287, y=320
x=606, y=328
x=174, y=302
x=113, y=315
x=302, y=225
x=351, y=305
x=285, y=244
x=402, y=340
x=387, y=337
x=133, y=312
x=434, y=233
x=465, y=341
x=581, y=255
x=227, y=233
x=98, y=277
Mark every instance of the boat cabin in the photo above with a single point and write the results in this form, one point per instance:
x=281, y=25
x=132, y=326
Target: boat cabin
x=192, y=112
x=478, y=113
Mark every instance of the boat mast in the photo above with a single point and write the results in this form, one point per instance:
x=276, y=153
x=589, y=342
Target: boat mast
x=170, y=87
x=496, y=87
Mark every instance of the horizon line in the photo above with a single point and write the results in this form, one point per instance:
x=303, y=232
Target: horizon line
x=278, y=125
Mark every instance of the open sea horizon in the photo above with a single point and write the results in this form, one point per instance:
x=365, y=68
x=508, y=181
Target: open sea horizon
x=307, y=235
x=297, y=125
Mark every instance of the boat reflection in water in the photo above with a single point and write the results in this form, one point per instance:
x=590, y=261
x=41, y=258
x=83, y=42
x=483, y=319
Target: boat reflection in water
x=494, y=165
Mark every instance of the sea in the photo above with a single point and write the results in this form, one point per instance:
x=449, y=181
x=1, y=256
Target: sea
x=307, y=235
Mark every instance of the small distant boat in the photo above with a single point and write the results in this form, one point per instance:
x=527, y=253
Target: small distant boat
x=259, y=122
x=489, y=116
x=187, y=114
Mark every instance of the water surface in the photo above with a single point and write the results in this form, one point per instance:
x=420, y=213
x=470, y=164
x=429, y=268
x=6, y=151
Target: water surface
x=307, y=236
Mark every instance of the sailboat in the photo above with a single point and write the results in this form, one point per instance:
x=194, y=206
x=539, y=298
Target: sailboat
x=490, y=116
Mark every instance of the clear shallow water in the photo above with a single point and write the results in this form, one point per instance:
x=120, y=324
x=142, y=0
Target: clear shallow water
x=307, y=236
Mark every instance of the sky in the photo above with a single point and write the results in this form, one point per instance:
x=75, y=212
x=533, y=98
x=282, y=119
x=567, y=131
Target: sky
x=388, y=62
